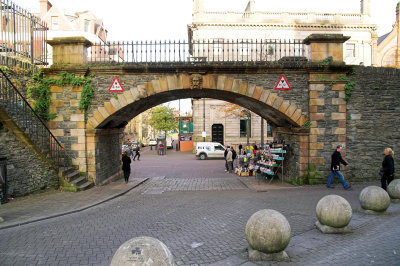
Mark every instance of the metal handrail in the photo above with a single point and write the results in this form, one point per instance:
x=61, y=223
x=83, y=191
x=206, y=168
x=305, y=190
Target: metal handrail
x=18, y=108
x=195, y=51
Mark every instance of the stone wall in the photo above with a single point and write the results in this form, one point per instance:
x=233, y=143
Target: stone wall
x=373, y=121
x=27, y=171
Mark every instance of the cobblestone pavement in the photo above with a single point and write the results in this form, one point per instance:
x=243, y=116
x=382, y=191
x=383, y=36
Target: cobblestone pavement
x=201, y=228
x=39, y=206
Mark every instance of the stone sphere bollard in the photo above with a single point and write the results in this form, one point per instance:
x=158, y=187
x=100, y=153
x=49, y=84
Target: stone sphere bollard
x=334, y=214
x=143, y=251
x=374, y=199
x=268, y=234
x=394, y=190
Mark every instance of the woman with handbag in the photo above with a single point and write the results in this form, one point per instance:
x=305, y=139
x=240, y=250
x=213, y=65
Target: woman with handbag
x=387, y=172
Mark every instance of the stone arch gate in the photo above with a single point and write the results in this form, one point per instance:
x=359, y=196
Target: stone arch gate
x=317, y=97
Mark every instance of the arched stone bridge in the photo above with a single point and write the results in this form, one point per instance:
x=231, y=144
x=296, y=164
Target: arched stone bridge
x=318, y=95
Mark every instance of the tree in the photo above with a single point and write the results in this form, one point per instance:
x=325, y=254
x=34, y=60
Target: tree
x=232, y=109
x=163, y=119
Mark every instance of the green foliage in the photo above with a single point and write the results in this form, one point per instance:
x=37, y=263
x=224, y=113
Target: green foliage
x=342, y=77
x=162, y=119
x=375, y=87
x=348, y=117
x=311, y=176
x=347, y=90
x=327, y=61
x=307, y=124
x=320, y=77
x=331, y=84
x=352, y=71
x=5, y=69
x=116, y=97
x=40, y=92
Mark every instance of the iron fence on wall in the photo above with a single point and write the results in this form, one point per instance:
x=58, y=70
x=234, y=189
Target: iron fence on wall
x=22, y=34
x=195, y=51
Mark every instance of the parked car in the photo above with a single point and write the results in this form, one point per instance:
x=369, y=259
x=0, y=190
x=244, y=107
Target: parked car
x=134, y=145
x=153, y=142
x=206, y=150
x=124, y=148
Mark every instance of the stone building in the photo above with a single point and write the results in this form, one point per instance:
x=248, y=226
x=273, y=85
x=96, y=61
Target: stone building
x=62, y=23
x=255, y=24
x=388, y=54
x=225, y=128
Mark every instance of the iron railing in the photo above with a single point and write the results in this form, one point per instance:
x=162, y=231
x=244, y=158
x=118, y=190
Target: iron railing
x=195, y=51
x=22, y=34
x=21, y=112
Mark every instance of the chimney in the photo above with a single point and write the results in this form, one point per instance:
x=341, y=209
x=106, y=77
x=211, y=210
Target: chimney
x=366, y=7
x=45, y=6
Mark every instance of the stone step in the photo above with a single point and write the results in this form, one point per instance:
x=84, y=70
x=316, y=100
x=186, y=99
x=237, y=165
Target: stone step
x=66, y=170
x=85, y=186
x=79, y=181
x=72, y=176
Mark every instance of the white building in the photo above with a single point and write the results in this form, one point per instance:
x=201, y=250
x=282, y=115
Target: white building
x=255, y=24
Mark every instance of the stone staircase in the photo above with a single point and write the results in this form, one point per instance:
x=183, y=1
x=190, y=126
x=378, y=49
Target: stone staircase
x=73, y=177
x=17, y=109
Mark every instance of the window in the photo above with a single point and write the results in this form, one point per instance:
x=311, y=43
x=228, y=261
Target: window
x=243, y=126
x=350, y=50
x=269, y=131
x=219, y=148
x=87, y=24
x=54, y=23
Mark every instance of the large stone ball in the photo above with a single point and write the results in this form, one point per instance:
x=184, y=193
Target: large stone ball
x=143, y=251
x=394, y=189
x=268, y=231
x=375, y=199
x=334, y=211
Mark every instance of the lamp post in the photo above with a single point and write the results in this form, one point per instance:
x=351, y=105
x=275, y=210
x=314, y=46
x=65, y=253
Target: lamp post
x=204, y=118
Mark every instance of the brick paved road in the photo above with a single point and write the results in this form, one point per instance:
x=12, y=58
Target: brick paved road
x=201, y=225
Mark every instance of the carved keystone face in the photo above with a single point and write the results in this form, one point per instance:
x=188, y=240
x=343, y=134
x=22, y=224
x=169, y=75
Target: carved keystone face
x=196, y=81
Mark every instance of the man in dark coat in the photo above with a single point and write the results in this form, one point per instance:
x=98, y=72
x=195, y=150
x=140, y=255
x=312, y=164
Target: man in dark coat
x=335, y=168
x=126, y=166
x=226, y=162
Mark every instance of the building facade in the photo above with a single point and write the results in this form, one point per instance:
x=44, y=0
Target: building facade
x=224, y=127
x=388, y=52
x=254, y=24
x=62, y=23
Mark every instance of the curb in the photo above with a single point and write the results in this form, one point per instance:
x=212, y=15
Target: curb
x=73, y=211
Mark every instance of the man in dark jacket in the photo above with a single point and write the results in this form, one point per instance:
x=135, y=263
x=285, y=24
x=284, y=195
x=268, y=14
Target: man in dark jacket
x=137, y=149
x=226, y=162
x=335, y=168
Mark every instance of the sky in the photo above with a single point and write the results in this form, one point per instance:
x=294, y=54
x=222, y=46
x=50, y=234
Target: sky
x=168, y=19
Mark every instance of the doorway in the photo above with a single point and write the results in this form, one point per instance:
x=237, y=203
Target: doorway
x=218, y=133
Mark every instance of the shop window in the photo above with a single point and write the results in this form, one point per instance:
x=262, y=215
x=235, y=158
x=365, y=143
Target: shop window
x=269, y=131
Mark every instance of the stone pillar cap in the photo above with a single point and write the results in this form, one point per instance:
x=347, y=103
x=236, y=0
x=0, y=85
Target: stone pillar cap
x=69, y=40
x=325, y=38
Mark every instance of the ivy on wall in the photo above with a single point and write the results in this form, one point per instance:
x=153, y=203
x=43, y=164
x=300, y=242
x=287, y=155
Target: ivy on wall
x=40, y=92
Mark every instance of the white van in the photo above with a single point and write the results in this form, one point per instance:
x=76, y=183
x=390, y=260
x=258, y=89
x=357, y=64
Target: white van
x=206, y=150
x=169, y=142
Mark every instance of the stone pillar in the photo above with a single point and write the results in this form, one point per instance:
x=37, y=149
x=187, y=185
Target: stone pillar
x=327, y=108
x=70, y=50
x=322, y=46
x=374, y=49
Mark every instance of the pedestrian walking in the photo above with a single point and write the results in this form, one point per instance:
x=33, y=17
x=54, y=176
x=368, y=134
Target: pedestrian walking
x=335, y=168
x=160, y=149
x=387, y=172
x=226, y=162
x=131, y=151
x=229, y=160
x=137, y=153
x=126, y=166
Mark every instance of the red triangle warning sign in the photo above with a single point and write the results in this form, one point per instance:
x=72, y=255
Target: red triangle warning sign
x=115, y=86
x=282, y=84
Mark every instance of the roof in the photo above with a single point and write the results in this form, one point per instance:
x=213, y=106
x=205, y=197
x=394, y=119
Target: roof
x=383, y=37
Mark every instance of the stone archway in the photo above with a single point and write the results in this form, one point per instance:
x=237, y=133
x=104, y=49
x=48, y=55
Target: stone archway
x=106, y=122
